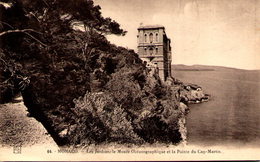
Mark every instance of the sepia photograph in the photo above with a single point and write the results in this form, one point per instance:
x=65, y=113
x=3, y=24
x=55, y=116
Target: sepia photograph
x=129, y=80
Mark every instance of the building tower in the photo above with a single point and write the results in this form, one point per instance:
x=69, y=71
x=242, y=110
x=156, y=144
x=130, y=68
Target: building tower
x=154, y=48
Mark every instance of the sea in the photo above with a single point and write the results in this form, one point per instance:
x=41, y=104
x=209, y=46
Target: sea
x=232, y=115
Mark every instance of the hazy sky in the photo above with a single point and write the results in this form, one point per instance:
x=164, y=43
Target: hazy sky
x=209, y=32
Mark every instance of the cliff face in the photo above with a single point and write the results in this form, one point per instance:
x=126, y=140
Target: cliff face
x=106, y=95
x=114, y=100
x=83, y=89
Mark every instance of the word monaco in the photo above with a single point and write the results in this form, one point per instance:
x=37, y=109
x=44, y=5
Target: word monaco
x=133, y=151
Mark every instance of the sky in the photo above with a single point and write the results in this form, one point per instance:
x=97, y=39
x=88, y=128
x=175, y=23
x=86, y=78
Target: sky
x=206, y=32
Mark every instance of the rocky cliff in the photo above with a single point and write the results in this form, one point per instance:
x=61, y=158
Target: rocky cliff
x=83, y=89
x=108, y=97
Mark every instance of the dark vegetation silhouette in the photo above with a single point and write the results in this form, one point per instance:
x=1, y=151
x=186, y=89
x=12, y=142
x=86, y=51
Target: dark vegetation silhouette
x=83, y=89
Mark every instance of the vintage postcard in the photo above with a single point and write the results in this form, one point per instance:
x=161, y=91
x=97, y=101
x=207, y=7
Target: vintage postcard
x=129, y=80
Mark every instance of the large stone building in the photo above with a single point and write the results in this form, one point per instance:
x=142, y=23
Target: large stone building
x=154, y=48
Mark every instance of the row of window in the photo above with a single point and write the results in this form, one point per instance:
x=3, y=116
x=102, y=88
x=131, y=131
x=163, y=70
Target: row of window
x=150, y=51
x=151, y=37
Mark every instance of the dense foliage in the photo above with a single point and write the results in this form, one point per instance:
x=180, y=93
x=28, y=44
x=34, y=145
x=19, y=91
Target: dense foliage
x=79, y=86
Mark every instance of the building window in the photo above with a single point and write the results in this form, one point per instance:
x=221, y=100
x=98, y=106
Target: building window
x=151, y=37
x=145, y=51
x=156, y=37
x=156, y=51
x=145, y=38
x=151, y=51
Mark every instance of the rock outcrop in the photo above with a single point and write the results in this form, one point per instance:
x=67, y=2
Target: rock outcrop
x=192, y=93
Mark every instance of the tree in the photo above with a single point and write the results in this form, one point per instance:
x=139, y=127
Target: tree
x=54, y=66
x=37, y=12
x=47, y=61
x=34, y=29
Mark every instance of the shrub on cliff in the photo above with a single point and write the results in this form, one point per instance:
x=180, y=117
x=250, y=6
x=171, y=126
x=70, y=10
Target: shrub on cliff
x=82, y=88
x=127, y=112
x=102, y=120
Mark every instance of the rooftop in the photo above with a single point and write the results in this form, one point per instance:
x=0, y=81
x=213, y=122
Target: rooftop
x=193, y=86
x=150, y=27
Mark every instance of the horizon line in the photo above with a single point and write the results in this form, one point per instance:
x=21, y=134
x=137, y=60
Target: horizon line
x=217, y=66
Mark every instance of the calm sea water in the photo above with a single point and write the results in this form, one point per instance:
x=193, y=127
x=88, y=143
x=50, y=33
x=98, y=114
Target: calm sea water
x=232, y=116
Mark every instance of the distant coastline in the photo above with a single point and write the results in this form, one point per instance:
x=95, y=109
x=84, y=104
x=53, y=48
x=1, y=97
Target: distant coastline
x=182, y=67
x=177, y=69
